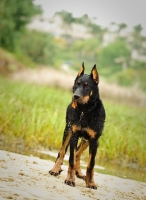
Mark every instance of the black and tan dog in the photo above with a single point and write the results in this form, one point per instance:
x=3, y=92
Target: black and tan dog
x=85, y=119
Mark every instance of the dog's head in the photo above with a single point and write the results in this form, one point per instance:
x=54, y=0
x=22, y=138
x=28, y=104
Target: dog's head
x=85, y=87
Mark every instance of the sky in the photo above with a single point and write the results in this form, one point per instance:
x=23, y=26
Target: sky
x=131, y=12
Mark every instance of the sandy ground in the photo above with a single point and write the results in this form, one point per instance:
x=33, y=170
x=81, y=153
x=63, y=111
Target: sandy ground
x=27, y=177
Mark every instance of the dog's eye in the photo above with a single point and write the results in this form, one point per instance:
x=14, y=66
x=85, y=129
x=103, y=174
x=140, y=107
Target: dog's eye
x=86, y=85
x=78, y=83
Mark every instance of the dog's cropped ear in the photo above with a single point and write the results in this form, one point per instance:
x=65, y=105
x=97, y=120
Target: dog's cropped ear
x=94, y=74
x=81, y=72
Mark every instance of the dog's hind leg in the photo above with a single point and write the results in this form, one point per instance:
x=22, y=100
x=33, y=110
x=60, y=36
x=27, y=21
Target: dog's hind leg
x=83, y=145
x=56, y=170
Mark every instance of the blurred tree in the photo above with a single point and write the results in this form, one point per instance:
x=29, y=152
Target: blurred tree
x=67, y=20
x=38, y=46
x=14, y=15
x=88, y=49
x=116, y=51
x=137, y=29
x=121, y=27
x=137, y=37
x=96, y=30
x=66, y=16
x=84, y=20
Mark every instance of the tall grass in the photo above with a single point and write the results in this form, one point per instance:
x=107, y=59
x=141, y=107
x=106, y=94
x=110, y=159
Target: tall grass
x=32, y=112
x=124, y=135
x=37, y=115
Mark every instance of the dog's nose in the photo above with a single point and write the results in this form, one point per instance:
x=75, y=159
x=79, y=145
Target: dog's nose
x=76, y=96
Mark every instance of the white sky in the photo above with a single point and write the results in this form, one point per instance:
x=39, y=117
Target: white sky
x=131, y=12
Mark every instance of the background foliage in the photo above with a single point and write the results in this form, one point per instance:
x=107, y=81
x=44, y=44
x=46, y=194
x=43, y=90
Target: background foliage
x=30, y=47
x=14, y=15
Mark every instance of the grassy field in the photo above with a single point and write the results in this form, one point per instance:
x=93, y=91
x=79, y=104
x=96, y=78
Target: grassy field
x=37, y=115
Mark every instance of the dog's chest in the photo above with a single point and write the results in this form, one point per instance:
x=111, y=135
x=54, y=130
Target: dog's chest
x=84, y=120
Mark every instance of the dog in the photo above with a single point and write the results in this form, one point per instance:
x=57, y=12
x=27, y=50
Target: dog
x=85, y=117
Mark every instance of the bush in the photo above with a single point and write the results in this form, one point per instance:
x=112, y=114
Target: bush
x=39, y=46
x=14, y=15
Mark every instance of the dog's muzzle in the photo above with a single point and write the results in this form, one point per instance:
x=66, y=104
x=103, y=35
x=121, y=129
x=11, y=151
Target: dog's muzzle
x=77, y=95
x=79, y=98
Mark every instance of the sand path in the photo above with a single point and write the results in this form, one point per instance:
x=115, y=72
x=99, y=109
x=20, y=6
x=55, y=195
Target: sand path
x=27, y=178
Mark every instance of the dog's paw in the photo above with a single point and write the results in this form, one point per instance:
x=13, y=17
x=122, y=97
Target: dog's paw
x=55, y=173
x=91, y=187
x=70, y=183
x=81, y=176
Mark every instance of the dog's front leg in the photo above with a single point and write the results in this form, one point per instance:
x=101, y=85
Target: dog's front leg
x=90, y=168
x=83, y=145
x=56, y=170
x=70, y=179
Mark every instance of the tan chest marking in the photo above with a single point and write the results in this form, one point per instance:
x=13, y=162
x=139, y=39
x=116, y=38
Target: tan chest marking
x=90, y=132
x=74, y=104
x=76, y=128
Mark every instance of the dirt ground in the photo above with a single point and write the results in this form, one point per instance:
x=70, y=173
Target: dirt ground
x=27, y=178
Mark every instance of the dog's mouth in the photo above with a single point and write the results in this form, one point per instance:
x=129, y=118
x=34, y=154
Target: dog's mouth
x=81, y=99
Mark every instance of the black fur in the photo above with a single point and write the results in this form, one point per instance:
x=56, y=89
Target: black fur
x=85, y=119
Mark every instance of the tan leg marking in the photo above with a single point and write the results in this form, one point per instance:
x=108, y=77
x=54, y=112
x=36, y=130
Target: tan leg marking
x=83, y=145
x=89, y=176
x=70, y=179
x=75, y=128
x=90, y=132
x=57, y=166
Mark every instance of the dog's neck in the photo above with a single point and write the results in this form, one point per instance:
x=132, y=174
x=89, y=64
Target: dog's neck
x=88, y=107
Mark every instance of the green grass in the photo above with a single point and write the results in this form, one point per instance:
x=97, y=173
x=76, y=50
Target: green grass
x=32, y=112
x=37, y=115
x=124, y=136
